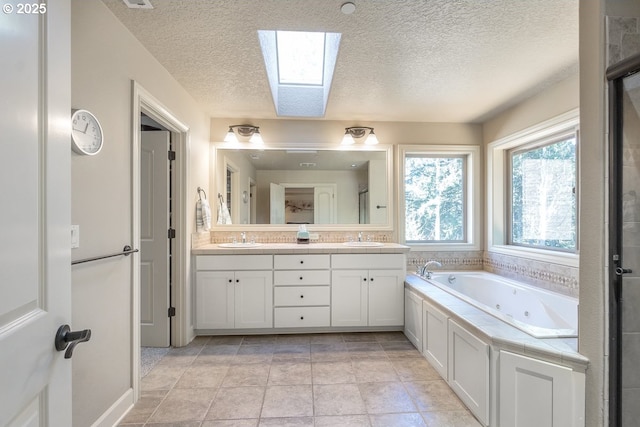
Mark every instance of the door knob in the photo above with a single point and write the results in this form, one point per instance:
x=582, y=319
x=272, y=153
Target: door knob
x=620, y=271
x=65, y=339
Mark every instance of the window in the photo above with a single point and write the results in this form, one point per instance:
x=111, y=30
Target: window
x=300, y=57
x=532, y=192
x=440, y=189
x=543, y=197
x=434, y=198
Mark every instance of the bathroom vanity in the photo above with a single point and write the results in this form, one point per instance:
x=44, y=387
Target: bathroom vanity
x=285, y=288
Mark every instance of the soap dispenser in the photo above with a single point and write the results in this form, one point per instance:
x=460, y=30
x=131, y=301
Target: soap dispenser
x=303, y=235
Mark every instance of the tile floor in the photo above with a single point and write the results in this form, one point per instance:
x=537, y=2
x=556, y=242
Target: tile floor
x=350, y=379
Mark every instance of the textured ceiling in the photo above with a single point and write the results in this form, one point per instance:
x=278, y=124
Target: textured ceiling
x=399, y=60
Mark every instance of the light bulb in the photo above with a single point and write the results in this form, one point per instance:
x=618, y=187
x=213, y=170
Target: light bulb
x=348, y=139
x=231, y=136
x=372, y=139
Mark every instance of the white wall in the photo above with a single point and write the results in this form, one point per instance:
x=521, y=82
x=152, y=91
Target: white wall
x=105, y=58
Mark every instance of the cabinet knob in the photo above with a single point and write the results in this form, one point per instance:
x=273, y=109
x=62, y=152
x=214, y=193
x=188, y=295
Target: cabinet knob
x=365, y=279
x=301, y=261
x=300, y=277
x=301, y=317
x=237, y=280
x=230, y=280
x=301, y=296
x=371, y=279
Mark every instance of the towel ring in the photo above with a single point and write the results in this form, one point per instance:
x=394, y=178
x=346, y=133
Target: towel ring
x=205, y=194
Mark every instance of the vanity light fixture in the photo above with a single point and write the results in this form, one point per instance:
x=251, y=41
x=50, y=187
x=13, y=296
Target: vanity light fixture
x=244, y=130
x=359, y=132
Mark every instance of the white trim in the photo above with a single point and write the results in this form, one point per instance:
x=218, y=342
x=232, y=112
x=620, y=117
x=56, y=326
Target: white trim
x=473, y=196
x=496, y=190
x=116, y=413
x=182, y=331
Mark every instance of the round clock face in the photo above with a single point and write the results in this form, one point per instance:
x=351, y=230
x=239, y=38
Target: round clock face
x=86, y=133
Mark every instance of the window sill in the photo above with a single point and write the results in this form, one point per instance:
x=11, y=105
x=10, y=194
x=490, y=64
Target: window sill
x=560, y=258
x=442, y=247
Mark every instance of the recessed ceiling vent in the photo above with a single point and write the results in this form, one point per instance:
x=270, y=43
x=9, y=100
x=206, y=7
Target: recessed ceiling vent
x=138, y=4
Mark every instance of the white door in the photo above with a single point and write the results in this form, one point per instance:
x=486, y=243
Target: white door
x=154, y=242
x=35, y=255
x=276, y=204
x=324, y=211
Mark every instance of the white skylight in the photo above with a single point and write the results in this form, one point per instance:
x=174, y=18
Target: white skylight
x=300, y=57
x=299, y=68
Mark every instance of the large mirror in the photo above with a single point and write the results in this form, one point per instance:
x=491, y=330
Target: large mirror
x=279, y=186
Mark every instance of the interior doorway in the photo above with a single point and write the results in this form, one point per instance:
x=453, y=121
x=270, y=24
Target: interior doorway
x=179, y=292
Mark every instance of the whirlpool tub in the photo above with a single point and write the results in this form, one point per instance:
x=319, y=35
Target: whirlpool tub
x=538, y=312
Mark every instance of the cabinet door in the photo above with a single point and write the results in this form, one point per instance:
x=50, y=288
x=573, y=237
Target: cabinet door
x=214, y=299
x=534, y=393
x=435, y=337
x=386, y=297
x=413, y=318
x=253, y=299
x=349, y=295
x=469, y=370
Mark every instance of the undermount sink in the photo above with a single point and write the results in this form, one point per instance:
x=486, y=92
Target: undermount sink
x=240, y=245
x=363, y=244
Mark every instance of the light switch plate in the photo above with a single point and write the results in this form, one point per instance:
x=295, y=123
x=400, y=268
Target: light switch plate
x=75, y=236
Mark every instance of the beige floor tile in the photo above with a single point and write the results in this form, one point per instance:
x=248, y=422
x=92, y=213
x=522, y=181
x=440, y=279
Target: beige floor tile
x=400, y=420
x=382, y=398
x=363, y=350
x=450, y=419
x=287, y=401
x=162, y=377
x=217, y=354
x=225, y=339
x=287, y=422
x=259, y=339
x=326, y=338
x=414, y=369
x=175, y=424
x=203, y=376
x=237, y=403
x=358, y=337
x=245, y=375
x=230, y=423
x=397, y=420
x=184, y=405
x=333, y=372
x=400, y=349
x=289, y=373
x=395, y=336
x=326, y=352
x=337, y=399
x=259, y=353
x=343, y=421
x=293, y=339
x=433, y=395
x=374, y=370
x=144, y=407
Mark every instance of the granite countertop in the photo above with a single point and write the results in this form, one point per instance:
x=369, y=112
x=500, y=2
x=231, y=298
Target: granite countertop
x=293, y=248
x=499, y=333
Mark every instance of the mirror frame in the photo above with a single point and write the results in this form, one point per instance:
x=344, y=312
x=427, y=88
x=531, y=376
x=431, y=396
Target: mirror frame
x=218, y=186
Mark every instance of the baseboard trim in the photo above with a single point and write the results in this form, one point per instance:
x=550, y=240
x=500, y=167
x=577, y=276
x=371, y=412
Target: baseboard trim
x=117, y=411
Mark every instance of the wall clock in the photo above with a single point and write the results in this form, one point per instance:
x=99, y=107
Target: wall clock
x=86, y=133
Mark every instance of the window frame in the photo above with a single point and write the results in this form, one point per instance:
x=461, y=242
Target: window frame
x=472, y=195
x=498, y=168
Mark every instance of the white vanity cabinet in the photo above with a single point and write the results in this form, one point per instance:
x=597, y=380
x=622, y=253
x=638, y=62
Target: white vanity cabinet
x=435, y=338
x=469, y=370
x=367, y=289
x=234, y=292
x=302, y=291
x=536, y=393
x=413, y=318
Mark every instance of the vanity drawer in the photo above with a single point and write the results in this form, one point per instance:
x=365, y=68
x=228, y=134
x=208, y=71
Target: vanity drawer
x=301, y=295
x=296, y=317
x=368, y=261
x=301, y=277
x=301, y=262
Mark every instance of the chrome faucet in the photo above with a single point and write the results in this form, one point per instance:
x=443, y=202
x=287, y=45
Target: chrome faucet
x=360, y=236
x=426, y=272
x=243, y=237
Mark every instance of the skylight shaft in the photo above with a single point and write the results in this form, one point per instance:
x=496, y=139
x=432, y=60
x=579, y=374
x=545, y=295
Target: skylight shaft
x=300, y=57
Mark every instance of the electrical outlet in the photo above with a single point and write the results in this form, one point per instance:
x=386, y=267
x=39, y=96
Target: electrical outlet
x=75, y=236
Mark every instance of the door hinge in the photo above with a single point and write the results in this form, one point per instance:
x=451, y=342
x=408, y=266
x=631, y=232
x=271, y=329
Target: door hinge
x=172, y=155
x=172, y=311
x=172, y=233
